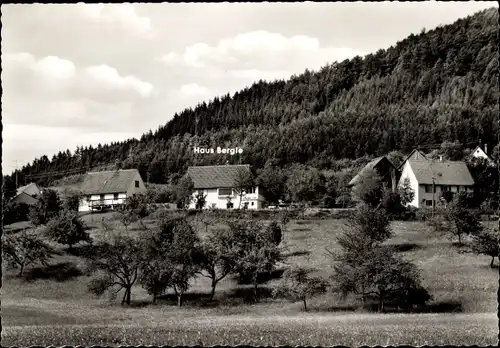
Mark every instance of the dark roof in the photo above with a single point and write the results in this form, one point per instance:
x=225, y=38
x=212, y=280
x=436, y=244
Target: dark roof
x=411, y=154
x=205, y=177
x=23, y=197
x=114, y=181
x=370, y=166
x=444, y=172
x=24, y=188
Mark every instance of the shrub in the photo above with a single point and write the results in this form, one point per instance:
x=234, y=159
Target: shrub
x=25, y=248
x=48, y=206
x=67, y=228
x=298, y=284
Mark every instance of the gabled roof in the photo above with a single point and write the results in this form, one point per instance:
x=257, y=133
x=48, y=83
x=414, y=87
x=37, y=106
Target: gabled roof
x=371, y=165
x=114, y=181
x=26, y=187
x=23, y=197
x=482, y=152
x=205, y=177
x=444, y=172
x=420, y=154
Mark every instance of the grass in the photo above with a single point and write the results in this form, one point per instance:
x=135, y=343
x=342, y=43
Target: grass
x=51, y=306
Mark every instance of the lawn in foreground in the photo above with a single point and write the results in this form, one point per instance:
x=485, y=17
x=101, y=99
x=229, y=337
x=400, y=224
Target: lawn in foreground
x=303, y=329
x=46, y=311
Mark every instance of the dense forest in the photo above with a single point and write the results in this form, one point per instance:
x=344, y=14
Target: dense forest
x=435, y=87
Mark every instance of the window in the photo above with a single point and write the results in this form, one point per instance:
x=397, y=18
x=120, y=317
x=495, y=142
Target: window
x=88, y=198
x=115, y=196
x=445, y=188
x=251, y=190
x=137, y=183
x=101, y=197
x=428, y=188
x=253, y=203
x=225, y=192
x=458, y=188
x=428, y=203
x=229, y=205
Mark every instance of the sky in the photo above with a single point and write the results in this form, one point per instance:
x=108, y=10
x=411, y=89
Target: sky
x=84, y=74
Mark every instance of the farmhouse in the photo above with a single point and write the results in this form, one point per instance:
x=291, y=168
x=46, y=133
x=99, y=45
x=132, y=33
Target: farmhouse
x=429, y=179
x=218, y=184
x=27, y=194
x=478, y=152
x=106, y=188
x=385, y=169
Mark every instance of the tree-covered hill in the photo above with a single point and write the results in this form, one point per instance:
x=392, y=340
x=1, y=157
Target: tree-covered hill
x=434, y=87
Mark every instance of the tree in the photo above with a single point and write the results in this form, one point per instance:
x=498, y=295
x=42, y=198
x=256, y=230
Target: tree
x=201, y=200
x=118, y=260
x=48, y=206
x=486, y=243
x=254, y=250
x=72, y=200
x=298, y=284
x=274, y=231
x=369, y=188
x=137, y=207
x=460, y=220
x=25, y=248
x=214, y=257
x=67, y=228
x=243, y=181
x=372, y=223
x=396, y=157
x=181, y=240
x=9, y=187
x=14, y=212
x=406, y=192
x=184, y=192
x=305, y=185
x=272, y=182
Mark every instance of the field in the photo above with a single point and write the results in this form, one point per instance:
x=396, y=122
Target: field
x=51, y=306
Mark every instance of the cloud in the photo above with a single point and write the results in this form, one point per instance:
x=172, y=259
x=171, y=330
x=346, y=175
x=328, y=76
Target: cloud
x=19, y=140
x=123, y=14
x=260, y=50
x=109, y=77
x=193, y=89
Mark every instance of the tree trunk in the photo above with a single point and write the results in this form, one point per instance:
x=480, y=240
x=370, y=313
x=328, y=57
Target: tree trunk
x=255, y=284
x=305, y=304
x=129, y=290
x=179, y=299
x=212, y=293
x=460, y=239
x=154, y=298
x=381, y=304
x=492, y=261
x=124, y=296
x=21, y=269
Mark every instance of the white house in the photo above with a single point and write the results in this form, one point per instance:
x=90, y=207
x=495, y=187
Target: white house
x=423, y=175
x=106, y=188
x=478, y=152
x=217, y=183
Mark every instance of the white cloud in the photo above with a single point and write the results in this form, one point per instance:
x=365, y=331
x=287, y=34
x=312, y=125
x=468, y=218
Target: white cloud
x=123, y=14
x=50, y=66
x=193, y=89
x=261, y=50
x=110, y=77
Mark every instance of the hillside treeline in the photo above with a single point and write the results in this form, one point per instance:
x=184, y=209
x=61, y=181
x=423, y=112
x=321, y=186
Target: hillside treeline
x=434, y=87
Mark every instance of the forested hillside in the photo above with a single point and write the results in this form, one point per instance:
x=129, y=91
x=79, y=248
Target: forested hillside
x=430, y=88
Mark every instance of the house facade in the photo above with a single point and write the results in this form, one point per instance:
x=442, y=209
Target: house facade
x=429, y=179
x=106, y=189
x=218, y=184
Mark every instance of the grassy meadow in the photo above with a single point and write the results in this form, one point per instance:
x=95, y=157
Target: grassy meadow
x=51, y=305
